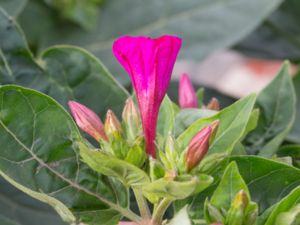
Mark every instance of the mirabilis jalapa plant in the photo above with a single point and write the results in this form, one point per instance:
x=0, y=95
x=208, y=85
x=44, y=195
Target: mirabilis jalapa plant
x=157, y=174
x=182, y=165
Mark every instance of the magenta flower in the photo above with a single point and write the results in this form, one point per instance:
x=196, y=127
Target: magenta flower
x=187, y=95
x=149, y=63
x=87, y=120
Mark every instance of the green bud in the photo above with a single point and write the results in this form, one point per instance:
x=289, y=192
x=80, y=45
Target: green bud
x=136, y=156
x=212, y=214
x=236, y=213
x=171, y=152
x=131, y=120
x=112, y=126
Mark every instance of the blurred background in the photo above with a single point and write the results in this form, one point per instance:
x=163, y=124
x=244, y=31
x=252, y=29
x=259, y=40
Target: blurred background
x=231, y=47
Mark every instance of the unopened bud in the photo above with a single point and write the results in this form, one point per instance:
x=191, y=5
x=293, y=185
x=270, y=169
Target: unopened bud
x=187, y=95
x=112, y=125
x=213, y=104
x=171, y=152
x=214, y=126
x=87, y=120
x=236, y=213
x=197, y=148
x=132, y=120
x=240, y=200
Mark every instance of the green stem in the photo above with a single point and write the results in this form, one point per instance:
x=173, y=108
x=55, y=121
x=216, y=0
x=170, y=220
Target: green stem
x=160, y=210
x=142, y=203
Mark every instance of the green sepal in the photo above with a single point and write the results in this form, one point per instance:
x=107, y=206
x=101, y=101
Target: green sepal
x=156, y=169
x=136, y=156
x=128, y=174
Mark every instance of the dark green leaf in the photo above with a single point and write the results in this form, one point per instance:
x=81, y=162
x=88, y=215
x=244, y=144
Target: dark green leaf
x=63, y=72
x=39, y=156
x=224, y=22
x=13, y=7
x=24, y=210
x=277, y=113
x=268, y=181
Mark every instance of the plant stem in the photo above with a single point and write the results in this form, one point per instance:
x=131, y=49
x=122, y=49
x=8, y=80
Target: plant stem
x=142, y=204
x=160, y=210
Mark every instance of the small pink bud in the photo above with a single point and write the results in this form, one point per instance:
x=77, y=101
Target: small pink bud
x=112, y=125
x=87, y=120
x=187, y=94
x=197, y=148
x=213, y=104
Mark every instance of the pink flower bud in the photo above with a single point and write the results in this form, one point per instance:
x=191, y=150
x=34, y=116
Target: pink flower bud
x=197, y=148
x=87, y=120
x=213, y=104
x=187, y=94
x=149, y=63
x=112, y=125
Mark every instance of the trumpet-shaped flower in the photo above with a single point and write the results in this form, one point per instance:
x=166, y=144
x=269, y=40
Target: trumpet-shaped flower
x=149, y=63
x=87, y=120
x=187, y=95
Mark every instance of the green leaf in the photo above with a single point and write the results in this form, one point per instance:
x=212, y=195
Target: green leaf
x=230, y=184
x=84, y=13
x=39, y=156
x=13, y=7
x=7, y=221
x=268, y=181
x=289, y=205
x=63, y=72
x=127, y=173
x=181, y=218
x=233, y=122
x=277, y=113
x=24, y=210
x=295, y=131
x=180, y=188
x=200, y=96
x=224, y=22
x=187, y=117
x=278, y=37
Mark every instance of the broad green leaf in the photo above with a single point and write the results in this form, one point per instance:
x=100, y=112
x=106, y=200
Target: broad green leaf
x=6, y=221
x=180, y=188
x=233, y=122
x=200, y=96
x=224, y=21
x=13, y=7
x=24, y=210
x=40, y=156
x=187, y=117
x=127, y=173
x=276, y=103
x=286, y=205
x=181, y=218
x=84, y=13
x=63, y=72
x=268, y=181
x=230, y=184
x=295, y=131
x=278, y=37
